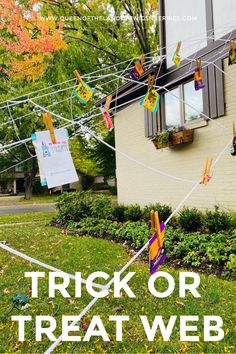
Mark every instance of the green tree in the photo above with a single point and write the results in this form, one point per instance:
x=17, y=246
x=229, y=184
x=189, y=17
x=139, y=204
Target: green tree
x=93, y=44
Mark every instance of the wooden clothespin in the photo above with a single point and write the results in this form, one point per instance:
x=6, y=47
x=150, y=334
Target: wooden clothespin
x=78, y=77
x=157, y=254
x=198, y=63
x=232, y=46
x=142, y=59
x=108, y=103
x=234, y=130
x=233, y=147
x=152, y=213
x=206, y=172
x=178, y=47
x=49, y=126
x=232, y=54
x=151, y=80
x=155, y=224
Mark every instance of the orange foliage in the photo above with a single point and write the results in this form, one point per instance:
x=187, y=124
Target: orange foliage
x=28, y=38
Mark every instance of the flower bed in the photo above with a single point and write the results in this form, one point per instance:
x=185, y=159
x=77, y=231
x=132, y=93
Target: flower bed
x=199, y=239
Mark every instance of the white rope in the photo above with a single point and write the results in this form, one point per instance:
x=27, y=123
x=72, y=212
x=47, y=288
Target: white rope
x=160, y=87
x=36, y=111
x=44, y=265
x=130, y=158
x=117, y=150
x=17, y=164
x=200, y=39
x=16, y=131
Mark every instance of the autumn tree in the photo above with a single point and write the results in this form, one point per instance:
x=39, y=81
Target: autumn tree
x=28, y=39
x=96, y=34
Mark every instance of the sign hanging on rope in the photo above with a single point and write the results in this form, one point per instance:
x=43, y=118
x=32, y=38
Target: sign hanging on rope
x=56, y=166
x=198, y=81
x=138, y=69
x=83, y=92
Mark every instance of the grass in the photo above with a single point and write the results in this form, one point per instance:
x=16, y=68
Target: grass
x=88, y=255
x=29, y=217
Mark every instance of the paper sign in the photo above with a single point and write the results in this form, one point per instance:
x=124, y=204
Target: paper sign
x=151, y=100
x=55, y=162
x=83, y=92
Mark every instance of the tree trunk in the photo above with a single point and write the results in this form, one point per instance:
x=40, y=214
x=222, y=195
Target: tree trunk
x=80, y=182
x=29, y=178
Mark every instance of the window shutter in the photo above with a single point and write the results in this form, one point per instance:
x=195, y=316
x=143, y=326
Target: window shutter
x=213, y=93
x=150, y=123
x=220, y=88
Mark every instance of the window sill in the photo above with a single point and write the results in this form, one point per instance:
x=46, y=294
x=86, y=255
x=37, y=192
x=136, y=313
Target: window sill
x=197, y=124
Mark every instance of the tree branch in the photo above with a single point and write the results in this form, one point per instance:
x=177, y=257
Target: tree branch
x=111, y=55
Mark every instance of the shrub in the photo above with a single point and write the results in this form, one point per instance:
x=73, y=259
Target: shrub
x=95, y=227
x=231, y=264
x=118, y=212
x=72, y=227
x=101, y=206
x=216, y=221
x=78, y=205
x=73, y=206
x=190, y=219
x=133, y=213
x=164, y=211
x=113, y=190
x=137, y=233
x=233, y=220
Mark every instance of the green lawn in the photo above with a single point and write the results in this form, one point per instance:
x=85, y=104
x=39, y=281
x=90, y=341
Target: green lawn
x=88, y=255
x=29, y=217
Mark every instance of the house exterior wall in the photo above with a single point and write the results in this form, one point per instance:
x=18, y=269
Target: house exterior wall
x=139, y=185
x=224, y=17
x=180, y=15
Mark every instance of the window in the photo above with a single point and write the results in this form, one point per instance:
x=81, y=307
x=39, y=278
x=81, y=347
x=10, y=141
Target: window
x=172, y=108
x=194, y=99
x=173, y=112
x=177, y=112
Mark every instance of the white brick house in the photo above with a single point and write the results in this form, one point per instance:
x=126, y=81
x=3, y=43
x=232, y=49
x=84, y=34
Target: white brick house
x=214, y=24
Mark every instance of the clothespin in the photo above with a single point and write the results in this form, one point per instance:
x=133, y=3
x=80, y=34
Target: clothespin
x=151, y=80
x=152, y=213
x=198, y=82
x=78, y=77
x=178, y=47
x=157, y=254
x=155, y=224
x=206, y=172
x=108, y=103
x=198, y=63
x=105, y=112
x=49, y=126
x=142, y=59
x=232, y=55
x=157, y=228
x=139, y=65
x=176, y=57
x=233, y=147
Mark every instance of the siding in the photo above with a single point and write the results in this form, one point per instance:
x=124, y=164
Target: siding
x=142, y=186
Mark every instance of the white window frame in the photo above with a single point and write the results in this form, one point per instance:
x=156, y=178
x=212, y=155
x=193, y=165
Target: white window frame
x=196, y=122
